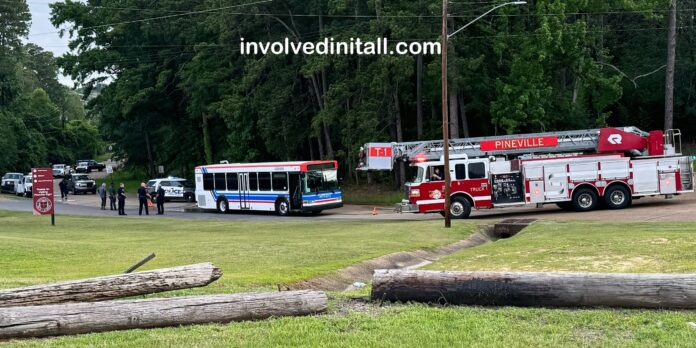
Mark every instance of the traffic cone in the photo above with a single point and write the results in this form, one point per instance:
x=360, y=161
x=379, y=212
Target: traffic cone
x=374, y=211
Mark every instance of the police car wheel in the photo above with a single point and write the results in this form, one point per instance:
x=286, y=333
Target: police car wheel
x=460, y=208
x=223, y=206
x=283, y=207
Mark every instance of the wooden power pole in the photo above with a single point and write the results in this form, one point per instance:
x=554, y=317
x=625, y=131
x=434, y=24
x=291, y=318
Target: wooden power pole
x=445, y=116
x=671, y=57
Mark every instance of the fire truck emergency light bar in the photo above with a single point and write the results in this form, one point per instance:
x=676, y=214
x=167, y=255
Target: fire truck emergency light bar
x=381, y=156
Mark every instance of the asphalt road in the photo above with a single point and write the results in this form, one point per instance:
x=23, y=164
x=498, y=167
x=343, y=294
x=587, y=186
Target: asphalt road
x=680, y=208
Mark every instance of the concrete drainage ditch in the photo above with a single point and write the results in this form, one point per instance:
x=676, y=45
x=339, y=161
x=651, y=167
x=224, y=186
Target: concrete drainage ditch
x=361, y=273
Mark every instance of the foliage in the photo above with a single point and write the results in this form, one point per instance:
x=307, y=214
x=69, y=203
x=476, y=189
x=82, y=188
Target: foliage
x=42, y=121
x=180, y=93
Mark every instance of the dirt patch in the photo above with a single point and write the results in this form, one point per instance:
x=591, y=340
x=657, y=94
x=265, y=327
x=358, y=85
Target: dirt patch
x=343, y=279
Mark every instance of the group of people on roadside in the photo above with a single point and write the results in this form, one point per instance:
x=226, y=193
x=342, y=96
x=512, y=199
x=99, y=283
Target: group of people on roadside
x=120, y=196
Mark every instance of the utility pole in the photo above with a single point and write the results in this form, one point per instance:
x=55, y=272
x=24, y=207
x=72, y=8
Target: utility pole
x=445, y=117
x=671, y=57
x=445, y=113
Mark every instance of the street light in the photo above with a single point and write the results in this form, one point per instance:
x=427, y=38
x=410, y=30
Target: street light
x=445, y=112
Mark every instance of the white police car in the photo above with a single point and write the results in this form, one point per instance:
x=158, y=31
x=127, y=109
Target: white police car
x=174, y=188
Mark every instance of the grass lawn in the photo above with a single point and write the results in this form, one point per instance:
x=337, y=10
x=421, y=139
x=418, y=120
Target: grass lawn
x=253, y=255
x=257, y=255
x=658, y=247
x=371, y=195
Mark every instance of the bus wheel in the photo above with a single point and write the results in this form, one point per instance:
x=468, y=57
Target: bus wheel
x=460, y=208
x=316, y=212
x=223, y=206
x=283, y=207
x=617, y=197
x=585, y=199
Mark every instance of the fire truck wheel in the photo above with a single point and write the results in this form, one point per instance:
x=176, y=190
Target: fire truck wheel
x=617, y=197
x=460, y=208
x=585, y=199
x=223, y=206
x=283, y=207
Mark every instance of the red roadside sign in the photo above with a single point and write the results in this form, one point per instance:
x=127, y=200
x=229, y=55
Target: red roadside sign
x=42, y=191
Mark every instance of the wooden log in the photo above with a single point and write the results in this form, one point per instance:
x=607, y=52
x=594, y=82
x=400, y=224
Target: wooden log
x=78, y=318
x=111, y=287
x=537, y=289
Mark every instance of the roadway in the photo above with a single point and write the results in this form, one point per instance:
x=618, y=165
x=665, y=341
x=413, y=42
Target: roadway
x=680, y=208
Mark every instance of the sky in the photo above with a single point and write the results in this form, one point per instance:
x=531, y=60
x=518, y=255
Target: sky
x=44, y=34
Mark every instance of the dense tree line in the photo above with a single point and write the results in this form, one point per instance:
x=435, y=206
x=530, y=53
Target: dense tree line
x=41, y=121
x=179, y=93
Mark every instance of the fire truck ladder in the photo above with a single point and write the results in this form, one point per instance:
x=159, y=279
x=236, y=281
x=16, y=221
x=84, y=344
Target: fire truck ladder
x=568, y=141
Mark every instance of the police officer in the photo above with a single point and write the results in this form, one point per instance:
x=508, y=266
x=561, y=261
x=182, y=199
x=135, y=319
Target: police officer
x=160, y=200
x=121, y=199
x=112, y=197
x=142, y=198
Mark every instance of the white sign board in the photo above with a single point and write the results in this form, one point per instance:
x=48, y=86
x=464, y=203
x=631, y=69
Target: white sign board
x=109, y=169
x=379, y=156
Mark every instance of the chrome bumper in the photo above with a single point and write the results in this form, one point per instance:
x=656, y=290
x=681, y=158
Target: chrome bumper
x=405, y=207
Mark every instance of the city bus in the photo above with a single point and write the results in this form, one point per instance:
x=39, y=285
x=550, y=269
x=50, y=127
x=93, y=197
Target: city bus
x=280, y=187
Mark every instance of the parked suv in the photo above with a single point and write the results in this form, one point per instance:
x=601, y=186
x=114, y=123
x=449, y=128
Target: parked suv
x=24, y=186
x=10, y=181
x=82, y=167
x=92, y=165
x=60, y=170
x=81, y=183
x=174, y=188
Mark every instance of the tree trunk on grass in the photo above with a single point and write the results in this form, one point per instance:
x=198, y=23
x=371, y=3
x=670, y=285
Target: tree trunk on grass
x=111, y=287
x=672, y=291
x=79, y=318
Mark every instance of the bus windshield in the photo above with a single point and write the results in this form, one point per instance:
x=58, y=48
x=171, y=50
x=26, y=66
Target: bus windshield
x=324, y=180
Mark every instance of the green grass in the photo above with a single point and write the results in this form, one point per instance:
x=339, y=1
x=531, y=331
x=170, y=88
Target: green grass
x=586, y=247
x=371, y=195
x=253, y=255
x=258, y=255
x=420, y=326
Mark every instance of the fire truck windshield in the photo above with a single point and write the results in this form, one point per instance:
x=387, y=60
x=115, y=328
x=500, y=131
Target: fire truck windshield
x=420, y=176
x=325, y=180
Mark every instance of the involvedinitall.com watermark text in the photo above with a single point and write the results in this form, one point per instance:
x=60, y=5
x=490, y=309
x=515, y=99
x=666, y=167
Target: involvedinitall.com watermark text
x=330, y=46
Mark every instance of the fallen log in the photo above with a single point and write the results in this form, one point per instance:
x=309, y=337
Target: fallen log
x=111, y=287
x=78, y=318
x=537, y=289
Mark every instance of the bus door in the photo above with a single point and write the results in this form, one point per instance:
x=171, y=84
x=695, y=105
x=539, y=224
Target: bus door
x=244, y=191
x=295, y=190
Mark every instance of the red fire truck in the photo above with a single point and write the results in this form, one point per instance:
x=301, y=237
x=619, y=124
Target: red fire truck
x=579, y=170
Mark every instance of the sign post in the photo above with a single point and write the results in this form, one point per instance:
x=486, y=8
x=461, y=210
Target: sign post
x=42, y=192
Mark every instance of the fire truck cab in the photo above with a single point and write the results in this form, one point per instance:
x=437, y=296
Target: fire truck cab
x=619, y=166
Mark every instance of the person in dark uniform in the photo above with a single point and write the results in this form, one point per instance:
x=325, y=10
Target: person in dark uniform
x=112, y=197
x=142, y=198
x=121, y=199
x=63, y=189
x=160, y=200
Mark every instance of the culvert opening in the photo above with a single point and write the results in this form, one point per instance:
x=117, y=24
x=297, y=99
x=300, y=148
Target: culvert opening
x=509, y=227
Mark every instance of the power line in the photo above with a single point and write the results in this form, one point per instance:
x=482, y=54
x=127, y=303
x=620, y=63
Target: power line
x=161, y=17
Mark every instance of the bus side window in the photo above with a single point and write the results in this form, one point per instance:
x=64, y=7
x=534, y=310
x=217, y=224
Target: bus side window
x=232, y=183
x=253, y=183
x=280, y=181
x=208, y=181
x=477, y=170
x=460, y=171
x=264, y=181
x=220, y=182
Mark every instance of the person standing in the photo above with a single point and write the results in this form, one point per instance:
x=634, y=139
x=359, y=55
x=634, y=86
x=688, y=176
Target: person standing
x=142, y=198
x=112, y=197
x=160, y=200
x=102, y=194
x=122, y=200
x=63, y=189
